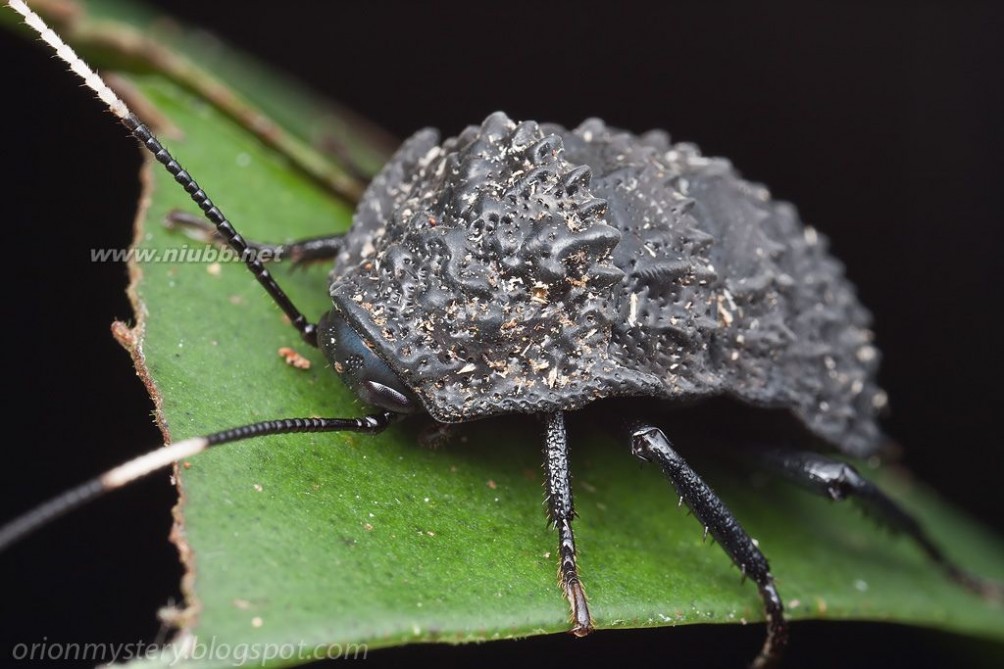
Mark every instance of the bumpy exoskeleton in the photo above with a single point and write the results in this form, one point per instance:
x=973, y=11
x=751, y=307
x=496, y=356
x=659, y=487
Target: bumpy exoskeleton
x=519, y=268
x=525, y=268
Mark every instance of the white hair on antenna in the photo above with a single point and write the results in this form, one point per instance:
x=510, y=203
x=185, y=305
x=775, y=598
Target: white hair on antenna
x=70, y=57
x=152, y=461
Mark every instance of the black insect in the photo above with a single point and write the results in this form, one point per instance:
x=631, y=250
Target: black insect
x=525, y=268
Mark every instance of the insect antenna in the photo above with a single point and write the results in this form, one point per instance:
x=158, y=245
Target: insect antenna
x=145, y=136
x=159, y=458
x=162, y=457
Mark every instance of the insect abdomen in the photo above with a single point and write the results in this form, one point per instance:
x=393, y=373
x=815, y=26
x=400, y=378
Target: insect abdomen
x=725, y=290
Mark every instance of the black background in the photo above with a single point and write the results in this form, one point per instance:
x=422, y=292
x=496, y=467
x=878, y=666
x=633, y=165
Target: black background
x=882, y=122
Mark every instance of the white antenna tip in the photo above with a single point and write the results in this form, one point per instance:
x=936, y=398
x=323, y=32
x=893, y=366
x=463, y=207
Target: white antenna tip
x=152, y=461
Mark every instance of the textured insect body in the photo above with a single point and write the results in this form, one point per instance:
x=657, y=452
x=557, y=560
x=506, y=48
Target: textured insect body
x=525, y=268
x=481, y=271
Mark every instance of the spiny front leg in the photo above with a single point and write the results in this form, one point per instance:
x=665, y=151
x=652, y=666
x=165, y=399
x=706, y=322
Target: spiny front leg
x=650, y=444
x=559, y=505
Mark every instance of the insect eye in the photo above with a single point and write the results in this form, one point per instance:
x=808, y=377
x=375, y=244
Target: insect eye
x=369, y=377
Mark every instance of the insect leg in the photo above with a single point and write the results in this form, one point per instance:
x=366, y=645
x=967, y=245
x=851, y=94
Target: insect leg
x=559, y=505
x=650, y=444
x=299, y=252
x=839, y=481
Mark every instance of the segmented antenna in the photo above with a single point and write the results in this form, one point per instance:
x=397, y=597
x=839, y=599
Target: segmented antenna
x=145, y=136
x=162, y=457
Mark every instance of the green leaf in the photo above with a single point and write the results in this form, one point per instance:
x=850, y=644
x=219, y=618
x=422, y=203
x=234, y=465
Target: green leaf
x=310, y=540
x=377, y=541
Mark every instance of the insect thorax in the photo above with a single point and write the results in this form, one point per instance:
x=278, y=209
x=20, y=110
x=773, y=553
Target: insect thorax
x=525, y=268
